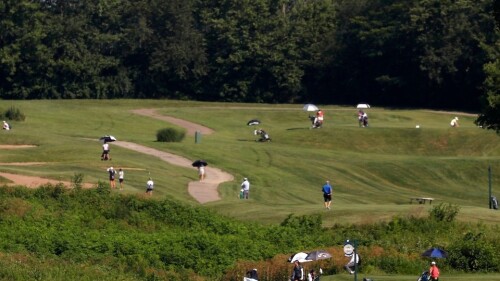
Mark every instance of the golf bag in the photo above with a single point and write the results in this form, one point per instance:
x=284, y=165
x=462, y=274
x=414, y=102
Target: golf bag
x=263, y=135
x=316, y=124
x=425, y=276
x=494, y=202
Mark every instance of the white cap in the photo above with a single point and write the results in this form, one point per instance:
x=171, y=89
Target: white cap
x=245, y=179
x=433, y=262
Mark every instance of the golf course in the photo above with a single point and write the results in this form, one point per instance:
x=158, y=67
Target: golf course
x=376, y=172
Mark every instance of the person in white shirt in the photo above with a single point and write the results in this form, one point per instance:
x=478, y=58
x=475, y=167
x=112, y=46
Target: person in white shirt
x=6, y=126
x=105, y=152
x=201, y=172
x=312, y=276
x=149, y=186
x=245, y=185
x=121, y=178
x=351, y=265
x=454, y=122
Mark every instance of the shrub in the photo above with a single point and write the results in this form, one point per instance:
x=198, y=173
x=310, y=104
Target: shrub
x=170, y=135
x=77, y=180
x=15, y=114
x=474, y=252
x=444, y=212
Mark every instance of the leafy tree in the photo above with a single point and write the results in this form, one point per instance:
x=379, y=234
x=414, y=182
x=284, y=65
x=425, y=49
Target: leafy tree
x=490, y=115
x=252, y=59
x=162, y=49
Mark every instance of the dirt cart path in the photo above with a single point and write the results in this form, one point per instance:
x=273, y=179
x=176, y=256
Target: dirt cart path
x=190, y=127
x=203, y=192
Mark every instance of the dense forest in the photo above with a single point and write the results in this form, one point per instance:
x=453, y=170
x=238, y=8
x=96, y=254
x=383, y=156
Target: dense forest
x=419, y=53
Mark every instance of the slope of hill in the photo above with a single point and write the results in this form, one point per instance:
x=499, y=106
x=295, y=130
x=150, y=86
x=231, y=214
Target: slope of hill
x=375, y=170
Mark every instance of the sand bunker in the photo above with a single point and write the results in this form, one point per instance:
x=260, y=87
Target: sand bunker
x=34, y=182
x=13, y=146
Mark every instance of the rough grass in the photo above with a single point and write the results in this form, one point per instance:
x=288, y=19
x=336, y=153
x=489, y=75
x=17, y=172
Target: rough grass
x=374, y=170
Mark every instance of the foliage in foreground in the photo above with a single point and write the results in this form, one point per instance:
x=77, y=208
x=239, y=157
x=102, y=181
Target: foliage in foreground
x=144, y=239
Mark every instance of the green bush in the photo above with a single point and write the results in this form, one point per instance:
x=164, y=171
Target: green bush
x=77, y=180
x=444, y=212
x=170, y=135
x=15, y=114
x=475, y=252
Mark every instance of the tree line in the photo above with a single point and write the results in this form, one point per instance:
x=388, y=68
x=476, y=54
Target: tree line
x=419, y=53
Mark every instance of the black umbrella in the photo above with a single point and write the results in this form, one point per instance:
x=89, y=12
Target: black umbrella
x=318, y=255
x=253, y=122
x=199, y=163
x=107, y=139
x=435, y=253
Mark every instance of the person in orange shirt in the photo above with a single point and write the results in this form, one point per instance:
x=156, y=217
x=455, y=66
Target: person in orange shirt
x=434, y=271
x=318, y=121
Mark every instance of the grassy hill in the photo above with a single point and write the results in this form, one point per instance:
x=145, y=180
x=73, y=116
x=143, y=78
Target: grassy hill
x=374, y=170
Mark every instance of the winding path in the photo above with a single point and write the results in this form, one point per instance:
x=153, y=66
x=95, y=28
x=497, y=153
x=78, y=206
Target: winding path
x=203, y=192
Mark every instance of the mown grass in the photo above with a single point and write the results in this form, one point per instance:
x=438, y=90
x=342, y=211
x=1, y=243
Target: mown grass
x=374, y=170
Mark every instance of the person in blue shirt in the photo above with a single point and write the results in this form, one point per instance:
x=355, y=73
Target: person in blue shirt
x=327, y=194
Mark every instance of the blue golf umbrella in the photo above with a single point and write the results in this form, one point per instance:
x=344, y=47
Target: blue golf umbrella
x=435, y=253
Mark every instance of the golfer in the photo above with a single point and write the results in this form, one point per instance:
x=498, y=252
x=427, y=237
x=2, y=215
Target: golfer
x=149, y=186
x=245, y=185
x=112, y=174
x=121, y=175
x=434, y=272
x=105, y=152
x=201, y=172
x=327, y=194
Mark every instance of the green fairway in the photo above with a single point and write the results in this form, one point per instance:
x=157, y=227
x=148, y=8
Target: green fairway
x=375, y=170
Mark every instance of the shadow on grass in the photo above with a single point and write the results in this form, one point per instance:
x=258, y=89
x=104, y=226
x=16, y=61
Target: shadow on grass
x=301, y=128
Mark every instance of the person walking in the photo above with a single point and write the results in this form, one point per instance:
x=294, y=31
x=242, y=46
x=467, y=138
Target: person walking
x=312, y=276
x=6, y=126
x=252, y=275
x=149, y=187
x=201, y=172
x=297, y=272
x=112, y=174
x=434, y=271
x=318, y=120
x=245, y=185
x=105, y=151
x=327, y=194
x=353, y=263
x=121, y=175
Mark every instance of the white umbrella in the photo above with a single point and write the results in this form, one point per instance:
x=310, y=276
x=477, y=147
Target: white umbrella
x=301, y=257
x=363, y=105
x=310, y=107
